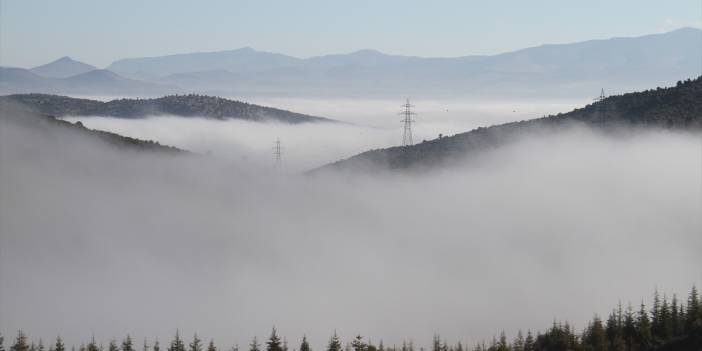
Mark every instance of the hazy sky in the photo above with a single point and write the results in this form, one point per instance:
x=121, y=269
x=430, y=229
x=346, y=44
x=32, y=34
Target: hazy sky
x=33, y=32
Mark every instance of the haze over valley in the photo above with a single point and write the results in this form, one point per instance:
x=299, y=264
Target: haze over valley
x=178, y=187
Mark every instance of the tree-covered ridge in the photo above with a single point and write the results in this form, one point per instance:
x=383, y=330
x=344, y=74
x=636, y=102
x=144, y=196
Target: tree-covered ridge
x=191, y=105
x=678, y=107
x=669, y=324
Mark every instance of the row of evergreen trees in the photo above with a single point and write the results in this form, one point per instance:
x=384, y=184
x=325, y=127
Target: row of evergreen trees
x=668, y=322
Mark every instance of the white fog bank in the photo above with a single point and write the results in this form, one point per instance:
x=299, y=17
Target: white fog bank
x=371, y=124
x=96, y=242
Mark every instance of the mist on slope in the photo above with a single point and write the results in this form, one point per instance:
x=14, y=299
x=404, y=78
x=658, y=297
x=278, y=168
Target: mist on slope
x=100, y=242
x=369, y=124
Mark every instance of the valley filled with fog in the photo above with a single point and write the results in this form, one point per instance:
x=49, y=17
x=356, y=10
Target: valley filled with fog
x=369, y=124
x=100, y=240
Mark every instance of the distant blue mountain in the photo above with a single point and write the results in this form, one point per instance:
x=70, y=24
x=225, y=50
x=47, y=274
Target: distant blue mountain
x=95, y=82
x=62, y=68
x=581, y=69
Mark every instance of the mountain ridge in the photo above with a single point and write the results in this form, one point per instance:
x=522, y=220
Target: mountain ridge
x=94, y=82
x=190, y=105
x=621, y=64
x=677, y=107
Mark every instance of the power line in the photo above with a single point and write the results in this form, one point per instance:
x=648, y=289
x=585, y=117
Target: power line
x=407, y=112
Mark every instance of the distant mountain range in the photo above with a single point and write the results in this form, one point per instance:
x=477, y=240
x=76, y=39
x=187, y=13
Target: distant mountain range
x=678, y=107
x=579, y=69
x=175, y=105
x=92, y=82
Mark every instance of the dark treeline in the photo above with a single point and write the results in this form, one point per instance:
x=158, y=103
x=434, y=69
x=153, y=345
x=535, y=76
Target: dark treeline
x=669, y=324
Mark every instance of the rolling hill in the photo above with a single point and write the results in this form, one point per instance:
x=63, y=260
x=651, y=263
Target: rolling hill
x=175, y=105
x=678, y=107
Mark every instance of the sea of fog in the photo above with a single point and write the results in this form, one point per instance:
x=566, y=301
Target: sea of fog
x=96, y=241
x=370, y=124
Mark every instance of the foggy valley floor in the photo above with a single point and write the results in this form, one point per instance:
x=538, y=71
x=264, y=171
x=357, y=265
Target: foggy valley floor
x=371, y=124
x=546, y=228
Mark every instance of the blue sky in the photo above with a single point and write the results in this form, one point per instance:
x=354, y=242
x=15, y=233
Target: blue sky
x=33, y=32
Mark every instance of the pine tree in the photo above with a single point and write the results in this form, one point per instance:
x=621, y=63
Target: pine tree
x=502, y=344
x=273, y=343
x=334, y=343
x=195, y=345
x=146, y=346
x=92, y=346
x=675, y=317
x=643, y=329
x=40, y=347
x=20, y=342
x=629, y=328
x=595, y=338
x=436, y=343
x=2, y=342
x=156, y=346
x=211, y=346
x=112, y=346
x=127, y=344
x=177, y=344
x=305, y=346
x=656, y=316
x=529, y=343
x=518, y=343
x=254, y=345
x=666, y=327
x=693, y=318
x=358, y=345
x=59, y=345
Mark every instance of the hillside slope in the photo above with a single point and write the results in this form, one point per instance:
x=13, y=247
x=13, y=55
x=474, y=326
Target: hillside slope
x=47, y=126
x=678, y=107
x=177, y=105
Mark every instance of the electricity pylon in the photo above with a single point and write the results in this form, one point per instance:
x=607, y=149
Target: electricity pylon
x=278, y=155
x=408, y=113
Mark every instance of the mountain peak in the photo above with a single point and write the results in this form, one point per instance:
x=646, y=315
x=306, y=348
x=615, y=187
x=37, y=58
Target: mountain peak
x=62, y=68
x=367, y=52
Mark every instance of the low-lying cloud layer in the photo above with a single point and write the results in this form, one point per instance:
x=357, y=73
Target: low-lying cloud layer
x=370, y=124
x=95, y=241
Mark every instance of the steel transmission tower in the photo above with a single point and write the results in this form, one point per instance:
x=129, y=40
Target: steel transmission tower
x=408, y=113
x=278, y=155
x=601, y=97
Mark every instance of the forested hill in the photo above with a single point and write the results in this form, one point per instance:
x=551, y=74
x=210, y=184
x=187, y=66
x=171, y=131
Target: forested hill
x=177, y=105
x=46, y=126
x=678, y=107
